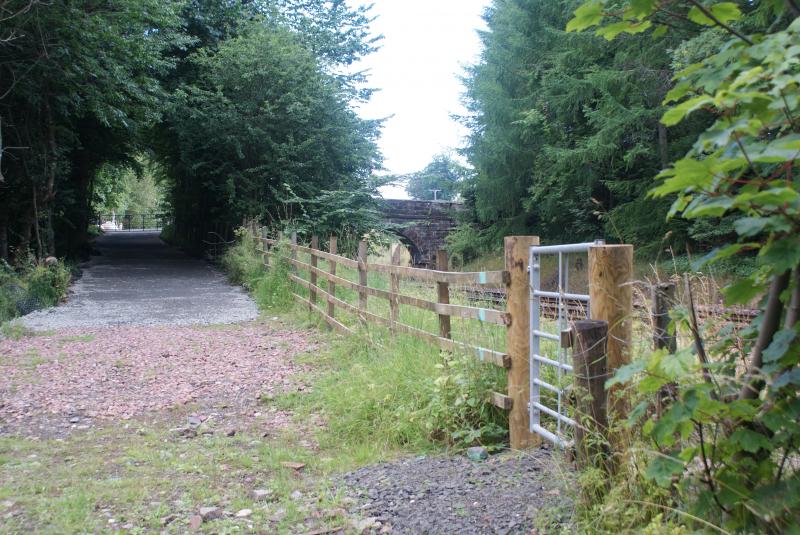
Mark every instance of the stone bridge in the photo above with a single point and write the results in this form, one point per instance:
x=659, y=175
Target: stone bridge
x=421, y=226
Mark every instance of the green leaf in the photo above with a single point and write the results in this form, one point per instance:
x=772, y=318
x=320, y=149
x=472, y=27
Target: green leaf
x=742, y=292
x=724, y=12
x=779, y=345
x=677, y=92
x=676, y=114
x=769, y=197
x=661, y=469
x=637, y=413
x=719, y=254
x=676, y=365
x=687, y=174
x=611, y=31
x=625, y=373
x=641, y=8
x=588, y=15
x=781, y=150
x=651, y=383
x=742, y=409
x=781, y=254
x=750, y=226
x=786, y=378
x=708, y=207
x=691, y=69
x=749, y=440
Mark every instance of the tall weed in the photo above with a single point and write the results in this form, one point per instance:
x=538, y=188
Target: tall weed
x=243, y=261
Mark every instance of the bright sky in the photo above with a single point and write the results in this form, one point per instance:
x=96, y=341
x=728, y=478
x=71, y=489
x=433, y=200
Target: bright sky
x=426, y=44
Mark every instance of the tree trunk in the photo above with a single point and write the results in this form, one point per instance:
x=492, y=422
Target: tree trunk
x=51, y=157
x=51, y=235
x=4, y=240
x=26, y=227
x=663, y=147
x=36, y=225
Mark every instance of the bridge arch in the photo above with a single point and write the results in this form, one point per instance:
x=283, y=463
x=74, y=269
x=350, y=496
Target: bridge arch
x=421, y=226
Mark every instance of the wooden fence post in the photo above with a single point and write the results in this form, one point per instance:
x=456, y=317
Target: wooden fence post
x=332, y=248
x=312, y=275
x=443, y=291
x=265, y=247
x=362, y=276
x=394, y=288
x=611, y=300
x=663, y=297
x=518, y=339
x=294, y=252
x=589, y=339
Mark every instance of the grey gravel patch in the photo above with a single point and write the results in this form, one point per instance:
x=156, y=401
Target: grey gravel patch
x=138, y=280
x=507, y=494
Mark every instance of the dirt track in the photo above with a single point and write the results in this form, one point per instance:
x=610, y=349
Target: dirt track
x=136, y=279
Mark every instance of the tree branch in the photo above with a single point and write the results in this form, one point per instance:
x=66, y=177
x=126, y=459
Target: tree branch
x=698, y=341
x=718, y=22
x=769, y=326
x=793, y=311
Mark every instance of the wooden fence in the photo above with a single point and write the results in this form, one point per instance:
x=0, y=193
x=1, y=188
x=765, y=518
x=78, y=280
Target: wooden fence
x=321, y=280
x=321, y=285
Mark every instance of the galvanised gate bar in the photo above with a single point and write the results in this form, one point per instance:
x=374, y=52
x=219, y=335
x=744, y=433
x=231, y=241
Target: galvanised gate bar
x=540, y=360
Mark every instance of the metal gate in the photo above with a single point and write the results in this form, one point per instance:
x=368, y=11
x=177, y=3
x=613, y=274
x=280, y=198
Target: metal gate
x=549, y=361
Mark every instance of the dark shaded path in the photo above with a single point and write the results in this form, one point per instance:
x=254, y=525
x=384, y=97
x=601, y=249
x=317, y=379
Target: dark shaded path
x=139, y=280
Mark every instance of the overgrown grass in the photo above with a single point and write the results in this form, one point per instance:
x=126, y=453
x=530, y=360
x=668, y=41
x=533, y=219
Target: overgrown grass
x=378, y=389
x=31, y=287
x=141, y=478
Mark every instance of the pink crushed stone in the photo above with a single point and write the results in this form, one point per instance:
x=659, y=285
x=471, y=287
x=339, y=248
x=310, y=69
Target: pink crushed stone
x=122, y=372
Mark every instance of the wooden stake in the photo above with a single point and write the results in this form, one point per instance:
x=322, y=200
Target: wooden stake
x=265, y=247
x=394, y=288
x=518, y=342
x=611, y=300
x=312, y=276
x=589, y=364
x=293, y=253
x=443, y=291
x=332, y=248
x=663, y=296
x=362, y=275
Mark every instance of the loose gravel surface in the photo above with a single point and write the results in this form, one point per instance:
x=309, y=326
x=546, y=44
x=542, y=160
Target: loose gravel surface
x=136, y=279
x=79, y=377
x=510, y=493
x=148, y=333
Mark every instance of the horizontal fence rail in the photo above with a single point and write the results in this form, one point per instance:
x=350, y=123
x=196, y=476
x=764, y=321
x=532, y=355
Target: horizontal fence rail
x=321, y=284
x=350, y=292
x=576, y=309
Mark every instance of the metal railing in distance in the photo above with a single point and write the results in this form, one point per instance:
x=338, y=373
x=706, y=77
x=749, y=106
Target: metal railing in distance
x=539, y=360
x=131, y=222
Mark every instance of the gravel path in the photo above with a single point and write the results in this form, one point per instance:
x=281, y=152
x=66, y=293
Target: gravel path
x=79, y=377
x=507, y=494
x=138, y=280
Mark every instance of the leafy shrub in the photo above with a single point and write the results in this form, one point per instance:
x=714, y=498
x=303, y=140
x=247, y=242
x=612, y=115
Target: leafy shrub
x=48, y=284
x=467, y=242
x=272, y=290
x=243, y=261
x=31, y=287
x=459, y=408
x=723, y=442
x=404, y=393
